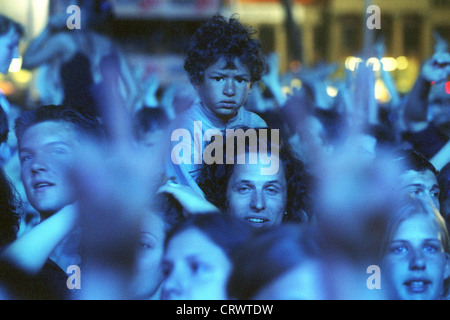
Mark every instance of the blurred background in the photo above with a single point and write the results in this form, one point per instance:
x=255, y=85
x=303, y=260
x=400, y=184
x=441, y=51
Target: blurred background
x=304, y=33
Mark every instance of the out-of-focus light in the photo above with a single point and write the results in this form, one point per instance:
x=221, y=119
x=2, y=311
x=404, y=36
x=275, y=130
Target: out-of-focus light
x=389, y=64
x=332, y=91
x=7, y=88
x=447, y=87
x=351, y=63
x=16, y=65
x=286, y=90
x=295, y=66
x=402, y=63
x=296, y=83
x=22, y=77
x=375, y=63
x=381, y=92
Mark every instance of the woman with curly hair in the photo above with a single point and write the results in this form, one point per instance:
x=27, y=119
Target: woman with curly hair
x=264, y=200
x=222, y=62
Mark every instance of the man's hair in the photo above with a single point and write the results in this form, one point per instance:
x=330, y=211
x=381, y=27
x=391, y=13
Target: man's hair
x=229, y=39
x=6, y=24
x=214, y=178
x=83, y=123
x=410, y=159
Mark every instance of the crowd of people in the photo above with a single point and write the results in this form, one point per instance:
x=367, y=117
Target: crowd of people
x=234, y=192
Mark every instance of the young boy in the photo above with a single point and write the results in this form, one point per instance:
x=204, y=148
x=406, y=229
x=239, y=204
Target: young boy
x=223, y=63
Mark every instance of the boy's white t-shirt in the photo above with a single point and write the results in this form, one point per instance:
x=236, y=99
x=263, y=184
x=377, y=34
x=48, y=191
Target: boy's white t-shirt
x=197, y=120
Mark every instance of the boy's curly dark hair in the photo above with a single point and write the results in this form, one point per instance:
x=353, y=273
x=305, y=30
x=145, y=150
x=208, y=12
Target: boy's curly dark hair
x=229, y=39
x=214, y=178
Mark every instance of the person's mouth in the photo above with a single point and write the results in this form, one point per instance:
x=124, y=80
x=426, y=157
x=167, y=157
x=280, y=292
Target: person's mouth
x=258, y=222
x=228, y=104
x=417, y=285
x=42, y=185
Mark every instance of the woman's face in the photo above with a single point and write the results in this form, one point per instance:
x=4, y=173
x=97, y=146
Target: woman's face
x=256, y=198
x=416, y=264
x=300, y=283
x=149, y=274
x=196, y=268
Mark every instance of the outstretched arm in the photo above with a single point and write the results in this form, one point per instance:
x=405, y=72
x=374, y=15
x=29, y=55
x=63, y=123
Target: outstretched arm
x=48, y=45
x=30, y=252
x=191, y=201
x=435, y=69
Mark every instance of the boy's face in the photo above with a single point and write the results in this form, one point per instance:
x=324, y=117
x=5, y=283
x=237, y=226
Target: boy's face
x=225, y=88
x=9, y=43
x=47, y=153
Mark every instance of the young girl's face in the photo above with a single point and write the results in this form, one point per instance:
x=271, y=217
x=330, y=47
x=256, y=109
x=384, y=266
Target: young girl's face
x=225, y=88
x=416, y=264
x=196, y=268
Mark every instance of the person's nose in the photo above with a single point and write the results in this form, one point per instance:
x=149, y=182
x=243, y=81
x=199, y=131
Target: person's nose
x=417, y=261
x=39, y=164
x=258, y=201
x=174, y=285
x=229, y=87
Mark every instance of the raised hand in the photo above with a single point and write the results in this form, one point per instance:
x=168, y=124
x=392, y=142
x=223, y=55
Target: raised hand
x=437, y=68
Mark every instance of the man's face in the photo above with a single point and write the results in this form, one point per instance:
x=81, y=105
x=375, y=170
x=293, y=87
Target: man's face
x=225, y=88
x=9, y=43
x=47, y=153
x=422, y=184
x=256, y=198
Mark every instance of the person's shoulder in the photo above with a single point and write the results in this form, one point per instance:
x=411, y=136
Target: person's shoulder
x=187, y=117
x=252, y=119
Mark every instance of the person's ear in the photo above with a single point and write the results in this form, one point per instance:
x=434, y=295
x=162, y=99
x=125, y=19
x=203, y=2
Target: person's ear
x=447, y=266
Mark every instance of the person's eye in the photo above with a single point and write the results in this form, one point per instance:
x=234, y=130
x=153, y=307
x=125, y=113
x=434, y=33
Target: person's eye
x=25, y=158
x=244, y=189
x=272, y=190
x=144, y=245
x=416, y=192
x=197, y=267
x=432, y=248
x=398, y=249
x=435, y=194
x=217, y=79
x=59, y=151
x=241, y=80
